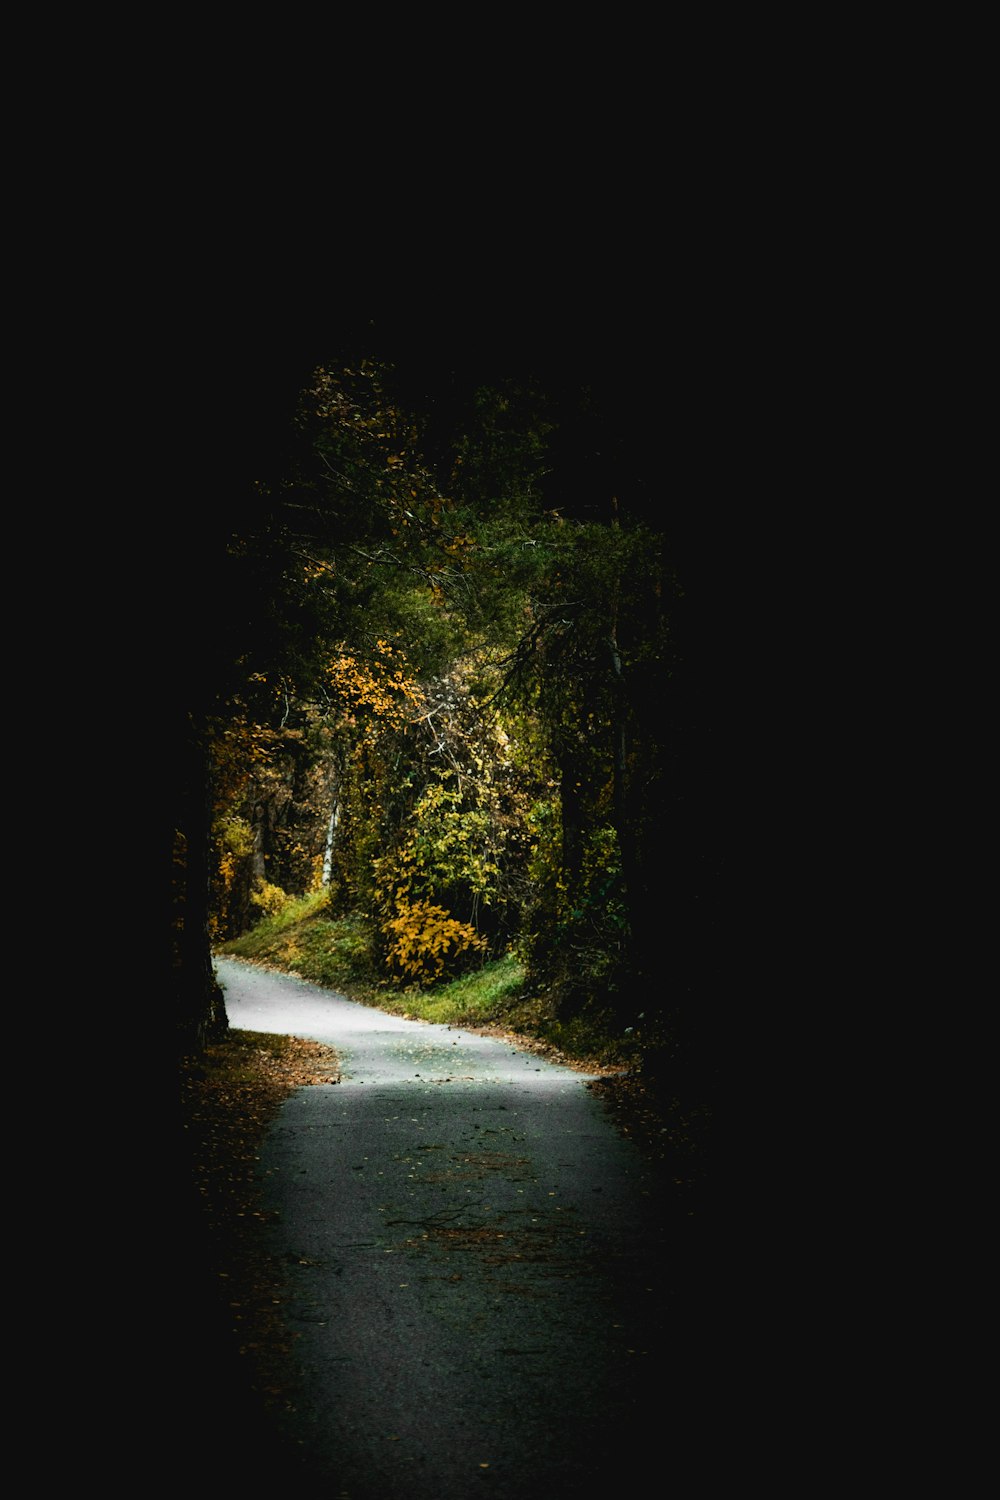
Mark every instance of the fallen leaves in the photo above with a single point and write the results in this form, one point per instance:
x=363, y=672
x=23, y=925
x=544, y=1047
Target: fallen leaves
x=228, y=1097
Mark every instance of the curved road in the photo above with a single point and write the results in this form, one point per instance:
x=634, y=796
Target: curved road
x=488, y=1294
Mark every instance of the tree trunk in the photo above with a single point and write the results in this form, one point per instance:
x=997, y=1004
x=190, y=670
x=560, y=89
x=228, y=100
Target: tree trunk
x=201, y=1011
x=571, y=776
x=623, y=823
x=331, y=834
x=260, y=829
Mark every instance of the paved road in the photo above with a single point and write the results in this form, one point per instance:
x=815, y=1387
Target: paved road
x=488, y=1296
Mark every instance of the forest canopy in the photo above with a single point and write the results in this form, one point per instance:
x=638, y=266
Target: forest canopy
x=443, y=655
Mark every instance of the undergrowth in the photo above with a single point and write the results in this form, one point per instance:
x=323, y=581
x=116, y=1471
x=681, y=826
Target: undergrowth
x=304, y=939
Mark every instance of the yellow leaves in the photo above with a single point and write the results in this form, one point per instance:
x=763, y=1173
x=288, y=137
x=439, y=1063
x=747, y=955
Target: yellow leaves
x=269, y=899
x=421, y=935
x=380, y=685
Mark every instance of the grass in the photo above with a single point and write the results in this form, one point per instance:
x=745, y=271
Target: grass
x=304, y=939
x=477, y=999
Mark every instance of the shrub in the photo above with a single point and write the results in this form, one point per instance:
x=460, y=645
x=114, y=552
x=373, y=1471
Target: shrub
x=422, y=938
x=270, y=900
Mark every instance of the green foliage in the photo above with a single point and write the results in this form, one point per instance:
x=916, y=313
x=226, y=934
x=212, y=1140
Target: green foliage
x=416, y=611
x=575, y=933
x=235, y=836
x=445, y=849
x=466, y=684
x=450, y=840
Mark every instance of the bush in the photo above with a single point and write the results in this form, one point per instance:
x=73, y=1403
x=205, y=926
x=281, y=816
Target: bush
x=422, y=938
x=269, y=899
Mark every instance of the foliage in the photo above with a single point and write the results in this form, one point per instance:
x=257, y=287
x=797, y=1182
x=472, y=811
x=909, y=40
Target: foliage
x=450, y=882
x=422, y=938
x=575, y=936
x=447, y=714
x=374, y=695
x=270, y=900
x=269, y=794
x=230, y=889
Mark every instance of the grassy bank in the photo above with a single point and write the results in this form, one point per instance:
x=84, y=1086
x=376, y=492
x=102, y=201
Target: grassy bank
x=335, y=953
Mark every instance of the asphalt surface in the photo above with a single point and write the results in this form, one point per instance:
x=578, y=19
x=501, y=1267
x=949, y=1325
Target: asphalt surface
x=491, y=1293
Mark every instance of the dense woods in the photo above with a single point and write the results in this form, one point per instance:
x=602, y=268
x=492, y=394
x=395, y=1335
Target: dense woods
x=446, y=652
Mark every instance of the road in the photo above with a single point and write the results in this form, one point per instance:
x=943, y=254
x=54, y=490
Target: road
x=487, y=1293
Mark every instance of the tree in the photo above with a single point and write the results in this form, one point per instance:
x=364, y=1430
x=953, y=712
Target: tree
x=288, y=565
x=443, y=687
